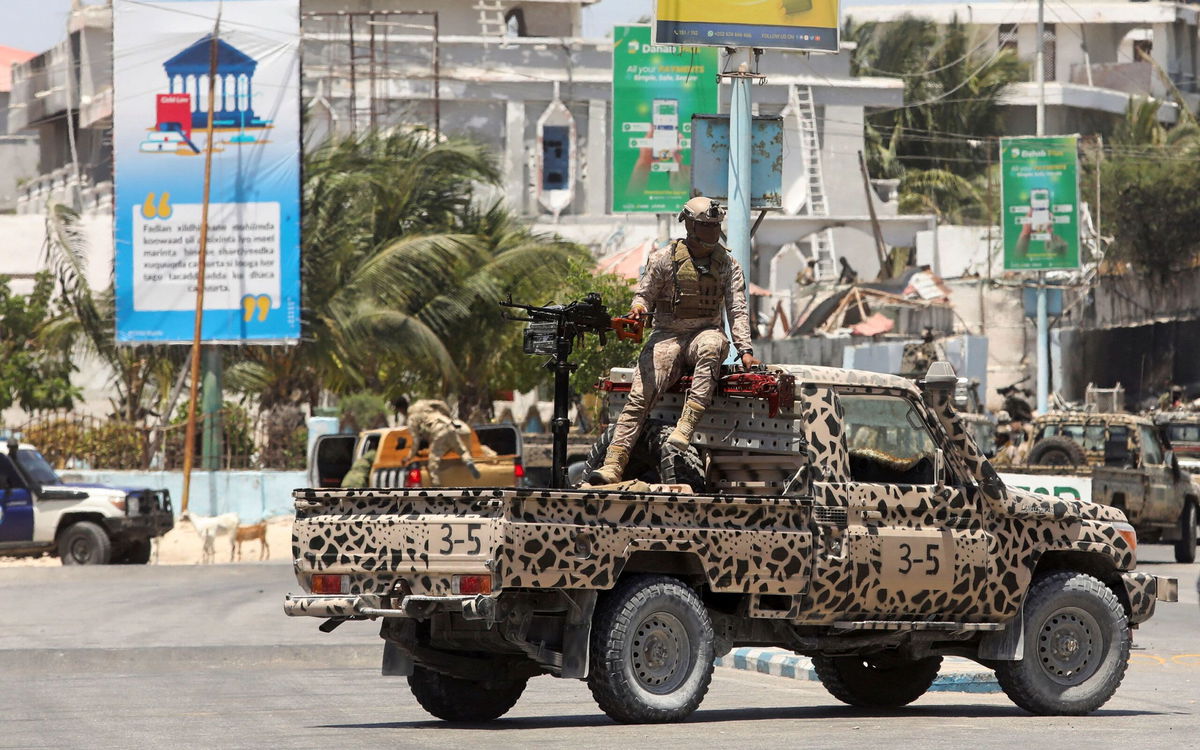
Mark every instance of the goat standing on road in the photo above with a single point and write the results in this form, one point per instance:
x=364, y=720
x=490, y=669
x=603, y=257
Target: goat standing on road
x=209, y=528
x=249, y=533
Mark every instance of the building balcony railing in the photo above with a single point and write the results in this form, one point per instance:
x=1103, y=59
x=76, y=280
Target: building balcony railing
x=60, y=186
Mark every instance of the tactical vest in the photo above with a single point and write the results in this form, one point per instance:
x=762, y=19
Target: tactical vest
x=699, y=292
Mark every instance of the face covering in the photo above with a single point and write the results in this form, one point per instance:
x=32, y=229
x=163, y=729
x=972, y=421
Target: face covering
x=703, y=238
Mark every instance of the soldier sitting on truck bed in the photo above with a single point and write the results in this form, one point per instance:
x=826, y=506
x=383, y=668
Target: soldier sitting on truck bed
x=430, y=421
x=686, y=286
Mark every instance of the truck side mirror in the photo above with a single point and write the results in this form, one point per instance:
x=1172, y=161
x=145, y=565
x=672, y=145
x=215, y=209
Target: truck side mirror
x=939, y=468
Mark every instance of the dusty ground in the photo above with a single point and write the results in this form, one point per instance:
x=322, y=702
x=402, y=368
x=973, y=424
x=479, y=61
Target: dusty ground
x=181, y=546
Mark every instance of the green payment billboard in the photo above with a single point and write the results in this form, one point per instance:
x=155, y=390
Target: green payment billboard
x=1039, y=180
x=656, y=90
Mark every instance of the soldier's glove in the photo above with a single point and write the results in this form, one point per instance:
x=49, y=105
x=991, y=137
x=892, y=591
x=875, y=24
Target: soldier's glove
x=471, y=468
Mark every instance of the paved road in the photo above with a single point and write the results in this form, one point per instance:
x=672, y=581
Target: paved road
x=121, y=657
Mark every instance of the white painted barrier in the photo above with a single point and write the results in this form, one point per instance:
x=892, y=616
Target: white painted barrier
x=253, y=495
x=1066, y=487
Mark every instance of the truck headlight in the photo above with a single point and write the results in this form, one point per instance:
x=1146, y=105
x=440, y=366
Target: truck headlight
x=1127, y=533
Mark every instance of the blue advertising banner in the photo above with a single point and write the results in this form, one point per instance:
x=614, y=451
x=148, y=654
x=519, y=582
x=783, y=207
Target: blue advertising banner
x=161, y=54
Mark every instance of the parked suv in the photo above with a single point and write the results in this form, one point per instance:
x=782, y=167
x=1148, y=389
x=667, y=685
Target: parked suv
x=81, y=524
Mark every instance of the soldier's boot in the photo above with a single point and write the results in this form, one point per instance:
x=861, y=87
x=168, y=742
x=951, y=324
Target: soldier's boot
x=681, y=436
x=613, y=469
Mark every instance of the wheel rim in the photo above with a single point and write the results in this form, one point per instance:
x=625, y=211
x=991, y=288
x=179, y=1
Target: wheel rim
x=80, y=549
x=1070, y=646
x=659, y=653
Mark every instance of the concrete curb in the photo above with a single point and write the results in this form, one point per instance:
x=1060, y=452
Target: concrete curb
x=957, y=675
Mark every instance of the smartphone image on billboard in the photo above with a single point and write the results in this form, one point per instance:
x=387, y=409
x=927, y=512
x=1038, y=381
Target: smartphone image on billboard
x=664, y=140
x=1039, y=204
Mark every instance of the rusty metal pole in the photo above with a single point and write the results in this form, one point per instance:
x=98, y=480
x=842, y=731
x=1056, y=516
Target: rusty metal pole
x=189, y=440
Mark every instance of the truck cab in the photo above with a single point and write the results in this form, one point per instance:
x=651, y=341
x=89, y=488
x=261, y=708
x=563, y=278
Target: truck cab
x=81, y=524
x=400, y=460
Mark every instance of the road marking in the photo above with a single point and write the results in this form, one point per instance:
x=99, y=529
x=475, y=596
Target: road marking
x=1187, y=660
x=1152, y=657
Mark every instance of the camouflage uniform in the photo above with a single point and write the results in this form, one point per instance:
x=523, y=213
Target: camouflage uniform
x=430, y=420
x=360, y=471
x=687, y=297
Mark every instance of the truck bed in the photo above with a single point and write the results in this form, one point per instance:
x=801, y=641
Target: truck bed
x=541, y=538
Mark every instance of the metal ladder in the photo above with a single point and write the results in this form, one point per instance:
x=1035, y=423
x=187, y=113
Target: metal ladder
x=491, y=18
x=821, y=242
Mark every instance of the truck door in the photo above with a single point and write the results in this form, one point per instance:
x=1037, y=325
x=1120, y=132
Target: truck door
x=1160, y=504
x=333, y=455
x=913, y=542
x=16, y=504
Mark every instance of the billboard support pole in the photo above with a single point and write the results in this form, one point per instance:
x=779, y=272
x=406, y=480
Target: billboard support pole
x=1043, y=326
x=189, y=440
x=739, y=231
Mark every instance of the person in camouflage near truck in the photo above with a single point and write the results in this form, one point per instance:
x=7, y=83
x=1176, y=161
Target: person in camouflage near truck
x=686, y=286
x=430, y=421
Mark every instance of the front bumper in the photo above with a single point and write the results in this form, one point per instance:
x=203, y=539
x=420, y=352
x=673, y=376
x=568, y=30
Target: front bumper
x=147, y=526
x=1144, y=591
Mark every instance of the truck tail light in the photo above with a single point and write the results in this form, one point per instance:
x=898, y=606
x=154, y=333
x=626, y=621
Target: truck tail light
x=412, y=478
x=518, y=470
x=329, y=583
x=475, y=584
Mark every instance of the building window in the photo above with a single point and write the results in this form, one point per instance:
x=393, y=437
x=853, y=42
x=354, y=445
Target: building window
x=514, y=22
x=1142, y=47
x=556, y=156
x=1008, y=36
x=1049, y=42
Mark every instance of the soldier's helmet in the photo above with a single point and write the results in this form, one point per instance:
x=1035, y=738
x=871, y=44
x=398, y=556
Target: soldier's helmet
x=1002, y=417
x=702, y=210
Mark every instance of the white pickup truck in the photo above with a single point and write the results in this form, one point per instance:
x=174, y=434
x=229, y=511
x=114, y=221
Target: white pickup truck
x=82, y=525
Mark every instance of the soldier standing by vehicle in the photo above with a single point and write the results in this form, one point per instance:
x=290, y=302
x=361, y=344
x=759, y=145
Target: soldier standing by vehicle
x=686, y=286
x=430, y=421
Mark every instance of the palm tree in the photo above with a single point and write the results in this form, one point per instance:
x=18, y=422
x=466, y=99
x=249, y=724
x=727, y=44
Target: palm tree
x=938, y=143
x=401, y=272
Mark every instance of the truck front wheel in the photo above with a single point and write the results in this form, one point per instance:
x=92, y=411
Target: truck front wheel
x=1185, y=548
x=455, y=699
x=1076, y=647
x=878, y=680
x=652, y=651
x=84, y=543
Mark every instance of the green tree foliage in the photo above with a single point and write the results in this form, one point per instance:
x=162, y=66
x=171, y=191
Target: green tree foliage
x=363, y=411
x=1152, y=211
x=402, y=270
x=938, y=143
x=33, y=375
x=142, y=374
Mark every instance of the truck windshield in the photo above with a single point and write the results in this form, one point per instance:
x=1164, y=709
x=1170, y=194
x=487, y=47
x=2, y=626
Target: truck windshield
x=36, y=467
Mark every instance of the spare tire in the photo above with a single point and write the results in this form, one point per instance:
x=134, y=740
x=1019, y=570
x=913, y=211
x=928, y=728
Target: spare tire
x=652, y=459
x=1056, y=451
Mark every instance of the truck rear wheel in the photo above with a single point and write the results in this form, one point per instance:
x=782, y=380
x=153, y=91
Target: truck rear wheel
x=652, y=651
x=456, y=699
x=84, y=543
x=1076, y=647
x=878, y=680
x=1185, y=548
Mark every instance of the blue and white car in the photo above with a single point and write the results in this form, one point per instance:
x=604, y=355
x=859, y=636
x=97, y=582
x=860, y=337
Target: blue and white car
x=82, y=525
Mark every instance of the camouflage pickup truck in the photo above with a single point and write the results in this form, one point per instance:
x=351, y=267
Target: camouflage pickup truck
x=844, y=515
x=1129, y=465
